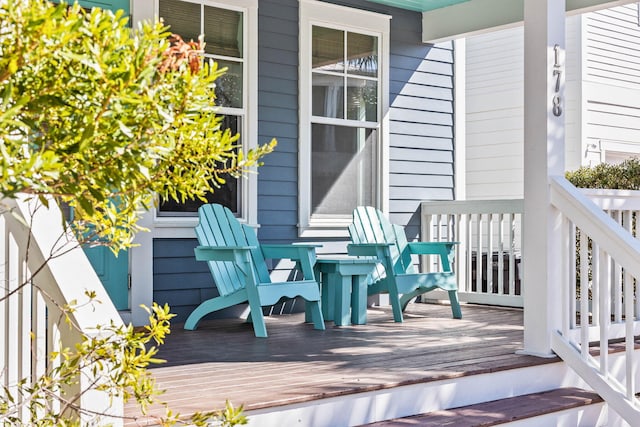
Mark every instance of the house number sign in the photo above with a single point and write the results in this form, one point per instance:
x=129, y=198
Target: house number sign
x=557, y=74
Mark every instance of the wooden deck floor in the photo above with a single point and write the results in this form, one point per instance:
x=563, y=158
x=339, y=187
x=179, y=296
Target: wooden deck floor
x=223, y=360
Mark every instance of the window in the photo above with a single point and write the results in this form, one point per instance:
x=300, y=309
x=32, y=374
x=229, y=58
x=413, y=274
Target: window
x=343, y=87
x=224, y=25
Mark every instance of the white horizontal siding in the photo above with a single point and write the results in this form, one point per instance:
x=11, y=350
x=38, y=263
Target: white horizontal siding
x=611, y=84
x=494, y=117
x=601, y=103
x=612, y=40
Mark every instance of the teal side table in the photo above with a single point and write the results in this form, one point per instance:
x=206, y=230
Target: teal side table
x=343, y=283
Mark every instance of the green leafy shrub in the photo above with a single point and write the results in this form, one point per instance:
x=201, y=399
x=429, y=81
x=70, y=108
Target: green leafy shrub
x=105, y=117
x=623, y=176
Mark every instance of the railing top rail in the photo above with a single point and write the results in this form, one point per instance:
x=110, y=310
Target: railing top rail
x=460, y=207
x=609, y=199
x=590, y=217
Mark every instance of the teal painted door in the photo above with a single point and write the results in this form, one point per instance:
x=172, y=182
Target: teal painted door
x=113, y=271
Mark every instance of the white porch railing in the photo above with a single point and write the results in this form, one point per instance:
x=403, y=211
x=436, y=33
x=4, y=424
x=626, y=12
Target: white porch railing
x=609, y=266
x=488, y=259
x=42, y=269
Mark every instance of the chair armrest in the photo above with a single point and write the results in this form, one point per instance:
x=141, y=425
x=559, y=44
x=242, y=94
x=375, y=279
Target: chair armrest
x=368, y=249
x=303, y=254
x=293, y=252
x=221, y=253
x=443, y=249
x=431, y=248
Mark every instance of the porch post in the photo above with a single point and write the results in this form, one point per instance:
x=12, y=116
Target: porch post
x=544, y=41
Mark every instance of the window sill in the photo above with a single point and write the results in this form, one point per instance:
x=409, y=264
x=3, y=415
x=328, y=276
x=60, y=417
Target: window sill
x=325, y=228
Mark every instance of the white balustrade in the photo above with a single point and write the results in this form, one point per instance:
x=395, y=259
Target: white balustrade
x=488, y=262
x=601, y=264
x=42, y=270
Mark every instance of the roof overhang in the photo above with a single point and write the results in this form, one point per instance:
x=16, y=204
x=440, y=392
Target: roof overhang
x=450, y=19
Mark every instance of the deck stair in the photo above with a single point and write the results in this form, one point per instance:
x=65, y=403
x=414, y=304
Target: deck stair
x=544, y=395
x=562, y=406
x=539, y=393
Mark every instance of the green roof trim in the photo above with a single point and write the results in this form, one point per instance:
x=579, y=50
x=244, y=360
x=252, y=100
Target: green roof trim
x=419, y=5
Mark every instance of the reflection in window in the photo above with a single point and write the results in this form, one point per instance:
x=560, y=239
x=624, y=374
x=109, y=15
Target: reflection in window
x=223, y=31
x=342, y=168
x=228, y=194
x=338, y=89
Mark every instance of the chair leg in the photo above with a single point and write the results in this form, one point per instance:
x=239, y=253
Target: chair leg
x=211, y=305
x=257, y=318
x=396, y=305
x=316, y=314
x=455, y=305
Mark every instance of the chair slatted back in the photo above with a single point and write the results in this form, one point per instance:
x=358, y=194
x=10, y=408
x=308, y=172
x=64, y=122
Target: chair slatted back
x=371, y=226
x=219, y=227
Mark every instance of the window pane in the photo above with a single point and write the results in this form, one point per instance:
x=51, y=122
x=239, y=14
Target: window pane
x=362, y=100
x=342, y=168
x=227, y=195
x=328, y=96
x=183, y=17
x=327, y=49
x=223, y=31
x=362, y=55
x=229, y=86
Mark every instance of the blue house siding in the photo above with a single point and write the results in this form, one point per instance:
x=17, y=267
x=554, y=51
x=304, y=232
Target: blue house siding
x=421, y=141
x=278, y=117
x=421, y=122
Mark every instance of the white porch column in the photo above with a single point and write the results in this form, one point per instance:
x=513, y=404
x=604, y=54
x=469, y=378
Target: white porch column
x=544, y=41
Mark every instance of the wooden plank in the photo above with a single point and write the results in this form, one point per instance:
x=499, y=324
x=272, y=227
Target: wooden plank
x=501, y=411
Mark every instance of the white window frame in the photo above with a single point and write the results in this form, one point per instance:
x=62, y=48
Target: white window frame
x=248, y=209
x=314, y=12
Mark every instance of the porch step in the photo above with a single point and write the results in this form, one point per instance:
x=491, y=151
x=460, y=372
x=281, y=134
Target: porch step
x=502, y=411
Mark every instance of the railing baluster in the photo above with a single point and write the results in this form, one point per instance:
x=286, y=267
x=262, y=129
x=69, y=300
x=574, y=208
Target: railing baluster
x=565, y=290
x=501, y=254
x=479, y=253
x=13, y=309
x=633, y=224
x=616, y=273
x=584, y=294
x=571, y=274
x=512, y=254
x=53, y=345
x=630, y=371
x=490, y=253
x=469, y=244
x=24, y=326
x=605, y=310
x=595, y=280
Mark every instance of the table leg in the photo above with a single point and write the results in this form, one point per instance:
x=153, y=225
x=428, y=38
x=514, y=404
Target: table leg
x=359, y=300
x=343, y=300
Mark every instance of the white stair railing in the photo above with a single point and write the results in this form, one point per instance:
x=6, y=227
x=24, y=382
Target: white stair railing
x=42, y=270
x=605, y=286
x=487, y=263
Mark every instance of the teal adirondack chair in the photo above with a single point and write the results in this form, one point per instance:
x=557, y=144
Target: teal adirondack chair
x=373, y=235
x=237, y=263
